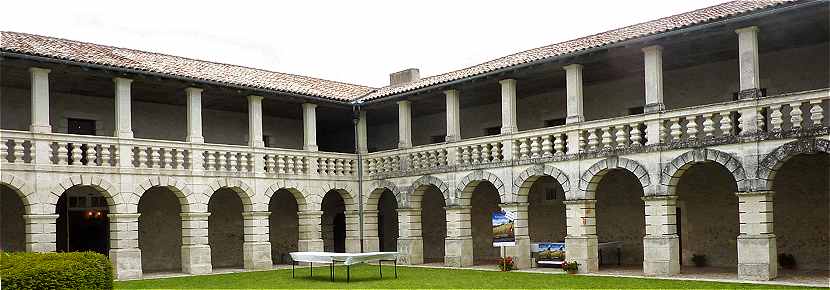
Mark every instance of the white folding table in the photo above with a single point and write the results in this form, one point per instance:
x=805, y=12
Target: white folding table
x=347, y=259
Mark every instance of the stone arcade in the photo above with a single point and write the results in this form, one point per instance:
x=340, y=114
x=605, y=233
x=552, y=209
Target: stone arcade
x=678, y=137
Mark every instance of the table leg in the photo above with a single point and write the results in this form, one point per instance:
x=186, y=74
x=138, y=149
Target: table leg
x=396, y=268
x=348, y=273
x=292, y=269
x=331, y=272
x=311, y=267
x=619, y=257
x=380, y=268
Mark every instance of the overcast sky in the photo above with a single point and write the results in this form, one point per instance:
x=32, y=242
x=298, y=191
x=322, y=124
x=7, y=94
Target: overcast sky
x=352, y=41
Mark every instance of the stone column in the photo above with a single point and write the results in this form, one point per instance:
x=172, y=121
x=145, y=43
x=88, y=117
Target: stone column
x=371, y=237
x=453, y=116
x=410, y=238
x=310, y=231
x=362, y=135
x=404, y=124
x=41, y=232
x=458, y=245
x=195, y=244
x=520, y=252
x=581, y=239
x=256, y=248
x=661, y=244
x=124, y=252
x=573, y=85
x=353, y=231
x=310, y=127
x=748, y=59
x=123, y=108
x=508, y=106
x=40, y=100
x=653, y=58
x=757, y=257
x=194, y=115
x=255, y=121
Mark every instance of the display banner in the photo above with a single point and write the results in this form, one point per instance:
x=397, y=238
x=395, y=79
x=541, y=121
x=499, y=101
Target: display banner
x=503, y=232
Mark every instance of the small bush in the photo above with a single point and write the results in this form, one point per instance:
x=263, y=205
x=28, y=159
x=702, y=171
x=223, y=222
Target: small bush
x=506, y=264
x=571, y=267
x=76, y=270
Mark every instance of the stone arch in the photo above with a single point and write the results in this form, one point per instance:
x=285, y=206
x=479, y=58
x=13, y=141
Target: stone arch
x=526, y=179
x=674, y=170
x=590, y=178
x=177, y=186
x=775, y=159
x=21, y=188
x=295, y=188
x=116, y=202
x=345, y=192
x=379, y=187
x=421, y=184
x=469, y=183
x=244, y=191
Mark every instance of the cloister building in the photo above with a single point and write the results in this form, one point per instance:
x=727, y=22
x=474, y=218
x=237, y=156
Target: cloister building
x=703, y=133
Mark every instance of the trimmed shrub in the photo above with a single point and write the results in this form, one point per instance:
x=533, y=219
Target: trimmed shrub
x=76, y=270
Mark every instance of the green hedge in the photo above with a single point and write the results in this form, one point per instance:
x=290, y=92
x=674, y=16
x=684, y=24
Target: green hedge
x=77, y=270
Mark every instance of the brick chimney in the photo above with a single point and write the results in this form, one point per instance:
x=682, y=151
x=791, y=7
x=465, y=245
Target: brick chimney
x=405, y=76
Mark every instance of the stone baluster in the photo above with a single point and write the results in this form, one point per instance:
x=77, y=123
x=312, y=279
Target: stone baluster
x=663, y=134
x=210, y=162
x=495, y=151
x=425, y=159
x=76, y=154
x=725, y=123
x=465, y=155
x=606, y=138
x=535, y=147
x=776, y=117
x=270, y=163
x=338, y=167
x=91, y=154
x=4, y=151
x=675, y=129
x=796, y=115
x=168, y=158
x=442, y=157
x=142, y=158
x=593, y=139
x=179, y=159
x=816, y=113
x=291, y=163
x=514, y=149
x=63, y=153
x=709, y=125
x=279, y=163
x=622, y=137
x=18, y=151
x=558, y=145
x=330, y=167
x=476, y=155
x=221, y=161
x=581, y=142
x=636, y=135
x=691, y=127
x=301, y=164
x=155, y=158
x=234, y=161
x=524, y=148
x=547, y=146
x=485, y=153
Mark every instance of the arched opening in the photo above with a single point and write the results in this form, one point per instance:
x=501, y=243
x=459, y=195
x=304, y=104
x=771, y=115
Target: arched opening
x=484, y=202
x=82, y=223
x=801, y=211
x=160, y=231
x=388, y=222
x=433, y=224
x=12, y=225
x=334, y=222
x=225, y=229
x=707, y=216
x=285, y=226
x=546, y=210
x=620, y=218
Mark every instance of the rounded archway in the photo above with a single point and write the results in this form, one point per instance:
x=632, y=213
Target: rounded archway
x=225, y=229
x=546, y=210
x=12, y=225
x=333, y=222
x=83, y=223
x=433, y=222
x=620, y=218
x=285, y=226
x=484, y=202
x=387, y=222
x=160, y=230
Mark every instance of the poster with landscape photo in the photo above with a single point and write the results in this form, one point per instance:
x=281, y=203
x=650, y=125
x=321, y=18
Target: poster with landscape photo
x=503, y=234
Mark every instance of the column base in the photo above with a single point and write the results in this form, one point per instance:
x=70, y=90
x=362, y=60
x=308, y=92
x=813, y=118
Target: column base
x=371, y=244
x=315, y=245
x=257, y=255
x=757, y=258
x=661, y=255
x=353, y=245
x=196, y=259
x=412, y=251
x=459, y=252
x=126, y=263
x=520, y=253
x=583, y=250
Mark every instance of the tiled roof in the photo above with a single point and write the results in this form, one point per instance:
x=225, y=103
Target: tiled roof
x=708, y=14
x=177, y=66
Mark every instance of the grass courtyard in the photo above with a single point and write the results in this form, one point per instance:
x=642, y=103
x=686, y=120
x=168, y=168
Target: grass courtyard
x=366, y=276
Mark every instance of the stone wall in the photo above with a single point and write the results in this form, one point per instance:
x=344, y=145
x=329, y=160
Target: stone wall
x=485, y=201
x=284, y=226
x=433, y=225
x=159, y=231
x=226, y=232
x=620, y=216
x=12, y=226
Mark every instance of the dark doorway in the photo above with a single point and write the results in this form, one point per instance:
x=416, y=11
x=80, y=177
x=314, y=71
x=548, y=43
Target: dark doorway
x=340, y=233
x=82, y=223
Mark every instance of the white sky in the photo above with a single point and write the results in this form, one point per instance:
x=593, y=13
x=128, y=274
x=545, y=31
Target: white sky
x=352, y=41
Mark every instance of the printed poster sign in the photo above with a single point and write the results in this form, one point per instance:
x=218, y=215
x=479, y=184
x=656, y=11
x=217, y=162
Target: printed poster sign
x=503, y=233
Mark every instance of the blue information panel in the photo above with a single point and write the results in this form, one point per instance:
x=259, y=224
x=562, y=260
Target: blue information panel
x=503, y=234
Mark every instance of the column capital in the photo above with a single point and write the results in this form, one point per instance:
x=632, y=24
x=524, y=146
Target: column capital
x=41, y=217
x=309, y=105
x=310, y=213
x=659, y=197
x=407, y=209
x=507, y=82
x=652, y=48
x=254, y=98
x=114, y=217
x=451, y=92
x=747, y=29
x=256, y=214
x=40, y=70
x=194, y=215
x=404, y=102
x=573, y=66
x=193, y=90
x=120, y=80
x=769, y=193
x=580, y=201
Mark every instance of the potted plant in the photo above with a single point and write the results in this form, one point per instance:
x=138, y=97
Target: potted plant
x=786, y=261
x=699, y=260
x=570, y=267
x=506, y=264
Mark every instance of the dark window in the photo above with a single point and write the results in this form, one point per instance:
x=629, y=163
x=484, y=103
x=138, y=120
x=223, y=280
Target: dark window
x=267, y=140
x=81, y=127
x=492, y=131
x=437, y=139
x=555, y=122
x=635, y=111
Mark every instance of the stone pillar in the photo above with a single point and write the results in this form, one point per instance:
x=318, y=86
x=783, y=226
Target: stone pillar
x=661, y=244
x=581, y=239
x=573, y=85
x=255, y=121
x=410, y=238
x=124, y=252
x=195, y=244
x=509, y=123
x=748, y=58
x=194, y=115
x=453, y=116
x=653, y=59
x=458, y=245
x=362, y=135
x=123, y=108
x=404, y=124
x=41, y=232
x=256, y=248
x=520, y=252
x=757, y=257
x=371, y=237
x=310, y=231
x=353, y=231
x=310, y=127
x=40, y=100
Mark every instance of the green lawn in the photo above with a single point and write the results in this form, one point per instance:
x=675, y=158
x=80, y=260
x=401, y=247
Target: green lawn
x=366, y=276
